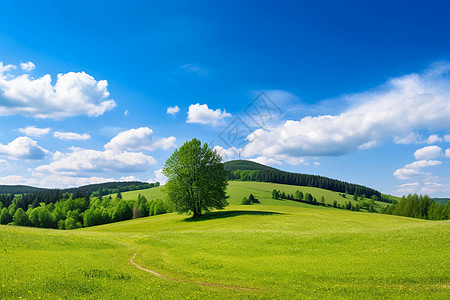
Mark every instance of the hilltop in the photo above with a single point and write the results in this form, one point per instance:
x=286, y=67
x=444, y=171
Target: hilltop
x=251, y=171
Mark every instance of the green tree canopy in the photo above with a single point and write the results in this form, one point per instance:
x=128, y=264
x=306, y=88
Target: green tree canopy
x=197, y=179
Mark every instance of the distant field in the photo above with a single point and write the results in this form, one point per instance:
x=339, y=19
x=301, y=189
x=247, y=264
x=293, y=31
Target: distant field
x=277, y=250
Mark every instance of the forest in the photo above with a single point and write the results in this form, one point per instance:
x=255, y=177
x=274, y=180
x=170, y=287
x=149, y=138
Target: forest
x=418, y=206
x=77, y=207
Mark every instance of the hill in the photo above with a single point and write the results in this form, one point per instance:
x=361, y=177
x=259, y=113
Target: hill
x=237, y=190
x=90, y=188
x=251, y=171
x=278, y=249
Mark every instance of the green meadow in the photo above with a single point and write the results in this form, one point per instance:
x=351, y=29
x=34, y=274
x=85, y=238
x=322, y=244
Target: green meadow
x=278, y=249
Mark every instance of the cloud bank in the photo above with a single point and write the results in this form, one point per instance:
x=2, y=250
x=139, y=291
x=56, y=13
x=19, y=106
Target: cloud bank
x=395, y=110
x=73, y=94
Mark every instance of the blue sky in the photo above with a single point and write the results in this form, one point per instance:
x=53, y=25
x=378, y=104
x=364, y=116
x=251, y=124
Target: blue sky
x=361, y=89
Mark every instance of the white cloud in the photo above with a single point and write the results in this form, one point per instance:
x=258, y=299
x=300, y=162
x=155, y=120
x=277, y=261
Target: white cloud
x=163, y=143
x=71, y=136
x=408, y=188
x=173, y=110
x=129, y=178
x=29, y=66
x=84, y=160
x=159, y=177
x=4, y=69
x=405, y=104
x=423, y=163
x=413, y=169
x=368, y=145
x=227, y=154
x=268, y=161
x=430, y=152
x=405, y=173
x=433, y=186
x=126, y=113
x=195, y=69
x=447, y=138
x=434, y=138
x=13, y=180
x=410, y=138
x=23, y=148
x=73, y=94
x=447, y=153
x=139, y=139
x=34, y=131
x=203, y=115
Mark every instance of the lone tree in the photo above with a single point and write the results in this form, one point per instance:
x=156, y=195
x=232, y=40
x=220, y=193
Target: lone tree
x=197, y=179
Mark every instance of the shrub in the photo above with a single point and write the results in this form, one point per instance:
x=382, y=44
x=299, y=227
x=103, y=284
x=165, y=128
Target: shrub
x=246, y=201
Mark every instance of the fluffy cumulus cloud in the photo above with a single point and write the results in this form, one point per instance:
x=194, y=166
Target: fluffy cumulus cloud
x=71, y=136
x=82, y=161
x=23, y=148
x=173, y=110
x=447, y=153
x=403, y=105
x=203, y=115
x=430, y=152
x=74, y=93
x=28, y=66
x=414, y=169
x=34, y=131
x=447, y=138
x=139, y=139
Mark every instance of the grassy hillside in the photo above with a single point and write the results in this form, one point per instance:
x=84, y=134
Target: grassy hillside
x=261, y=190
x=278, y=249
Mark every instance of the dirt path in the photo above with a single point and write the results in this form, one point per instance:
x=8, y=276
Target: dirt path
x=131, y=260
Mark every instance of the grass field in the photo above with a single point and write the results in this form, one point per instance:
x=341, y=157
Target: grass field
x=277, y=249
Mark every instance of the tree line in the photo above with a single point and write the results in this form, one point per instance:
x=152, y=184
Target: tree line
x=419, y=206
x=71, y=213
x=362, y=202
x=35, y=196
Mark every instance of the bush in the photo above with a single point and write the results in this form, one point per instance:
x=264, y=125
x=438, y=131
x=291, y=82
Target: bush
x=246, y=201
x=252, y=199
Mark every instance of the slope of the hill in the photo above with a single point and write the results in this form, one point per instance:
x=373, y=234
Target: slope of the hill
x=237, y=190
x=272, y=251
x=251, y=171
